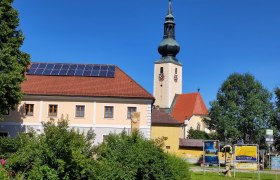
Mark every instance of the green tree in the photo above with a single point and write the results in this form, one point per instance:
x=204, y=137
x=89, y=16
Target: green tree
x=13, y=62
x=58, y=153
x=8, y=146
x=63, y=153
x=196, y=134
x=277, y=102
x=242, y=110
x=277, y=119
x=127, y=156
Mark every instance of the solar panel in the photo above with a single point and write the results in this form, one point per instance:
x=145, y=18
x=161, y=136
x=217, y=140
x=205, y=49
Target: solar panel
x=81, y=67
x=71, y=72
x=110, y=74
x=55, y=72
x=88, y=67
x=57, y=66
x=31, y=71
x=97, y=67
x=87, y=73
x=94, y=73
x=104, y=68
x=111, y=68
x=65, y=66
x=73, y=66
x=63, y=72
x=39, y=71
x=47, y=72
x=66, y=69
x=103, y=73
x=42, y=65
x=79, y=72
x=34, y=66
x=50, y=66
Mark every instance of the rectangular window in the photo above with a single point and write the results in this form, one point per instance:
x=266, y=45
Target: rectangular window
x=109, y=112
x=167, y=147
x=29, y=109
x=130, y=110
x=52, y=110
x=3, y=134
x=80, y=111
x=105, y=137
x=161, y=70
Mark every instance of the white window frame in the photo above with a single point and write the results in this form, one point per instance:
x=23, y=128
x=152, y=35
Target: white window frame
x=127, y=115
x=83, y=112
x=109, y=117
x=25, y=106
x=49, y=115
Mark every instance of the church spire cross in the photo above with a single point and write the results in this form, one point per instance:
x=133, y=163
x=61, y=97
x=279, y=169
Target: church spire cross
x=170, y=7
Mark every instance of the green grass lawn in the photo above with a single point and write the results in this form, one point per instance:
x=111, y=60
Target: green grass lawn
x=239, y=175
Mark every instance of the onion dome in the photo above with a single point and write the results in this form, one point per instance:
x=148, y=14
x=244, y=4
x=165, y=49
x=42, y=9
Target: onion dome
x=169, y=47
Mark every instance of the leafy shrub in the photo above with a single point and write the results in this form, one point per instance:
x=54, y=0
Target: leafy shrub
x=8, y=146
x=58, y=153
x=126, y=156
x=178, y=167
x=63, y=153
x=196, y=134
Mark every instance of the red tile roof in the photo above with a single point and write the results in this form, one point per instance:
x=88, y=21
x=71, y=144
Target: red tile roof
x=161, y=117
x=187, y=105
x=120, y=86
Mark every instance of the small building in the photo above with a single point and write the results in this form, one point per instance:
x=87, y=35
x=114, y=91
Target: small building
x=187, y=111
x=166, y=127
x=101, y=97
x=191, y=149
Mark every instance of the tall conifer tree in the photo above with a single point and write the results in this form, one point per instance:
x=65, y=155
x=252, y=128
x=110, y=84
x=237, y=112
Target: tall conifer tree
x=13, y=62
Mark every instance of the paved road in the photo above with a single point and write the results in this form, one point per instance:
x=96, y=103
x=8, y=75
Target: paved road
x=215, y=169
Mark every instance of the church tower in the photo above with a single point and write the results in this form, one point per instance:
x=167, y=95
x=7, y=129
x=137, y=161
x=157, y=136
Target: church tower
x=167, y=70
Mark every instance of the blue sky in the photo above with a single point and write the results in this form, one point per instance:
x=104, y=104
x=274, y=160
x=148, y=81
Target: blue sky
x=217, y=37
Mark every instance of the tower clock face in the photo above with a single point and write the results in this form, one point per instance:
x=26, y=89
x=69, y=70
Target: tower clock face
x=161, y=77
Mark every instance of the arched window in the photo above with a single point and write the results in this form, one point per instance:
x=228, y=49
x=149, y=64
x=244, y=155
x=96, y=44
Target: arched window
x=198, y=127
x=175, y=70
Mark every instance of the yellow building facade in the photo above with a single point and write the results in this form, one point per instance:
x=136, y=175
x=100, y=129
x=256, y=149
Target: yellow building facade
x=171, y=134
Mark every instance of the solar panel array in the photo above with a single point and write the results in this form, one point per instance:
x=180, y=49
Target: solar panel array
x=63, y=69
